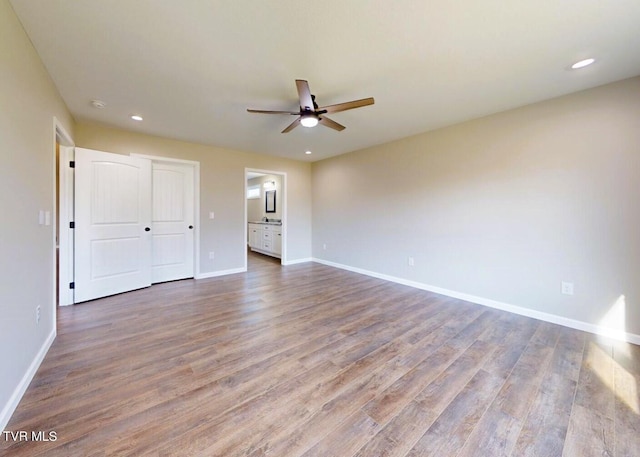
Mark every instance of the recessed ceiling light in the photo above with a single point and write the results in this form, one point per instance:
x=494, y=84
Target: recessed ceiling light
x=307, y=152
x=98, y=104
x=582, y=63
x=135, y=117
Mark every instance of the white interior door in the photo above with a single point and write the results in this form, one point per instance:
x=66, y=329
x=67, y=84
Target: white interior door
x=112, y=224
x=172, y=221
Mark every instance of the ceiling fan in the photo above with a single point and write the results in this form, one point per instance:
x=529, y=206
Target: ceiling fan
x=310, y=114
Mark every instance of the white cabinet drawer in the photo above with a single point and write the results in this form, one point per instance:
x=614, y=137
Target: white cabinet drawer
x=266, y=235
x=266, y=245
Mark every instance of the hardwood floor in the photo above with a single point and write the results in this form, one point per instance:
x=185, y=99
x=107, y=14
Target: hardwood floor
x=307, y=360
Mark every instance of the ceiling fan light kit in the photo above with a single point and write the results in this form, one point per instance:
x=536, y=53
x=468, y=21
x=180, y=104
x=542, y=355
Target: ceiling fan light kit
x=309, y=120
x=310, y=114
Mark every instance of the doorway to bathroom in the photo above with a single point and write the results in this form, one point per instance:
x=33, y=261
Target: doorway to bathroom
x=265, y=216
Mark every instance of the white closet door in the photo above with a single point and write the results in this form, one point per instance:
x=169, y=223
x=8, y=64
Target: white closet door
x=112, y=224
x=173, y=221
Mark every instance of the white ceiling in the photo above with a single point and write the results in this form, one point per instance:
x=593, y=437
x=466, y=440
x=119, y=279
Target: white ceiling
x=192, y=67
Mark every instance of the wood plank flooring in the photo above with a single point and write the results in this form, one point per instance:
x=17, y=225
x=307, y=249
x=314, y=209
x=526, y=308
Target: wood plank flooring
x=308, y=360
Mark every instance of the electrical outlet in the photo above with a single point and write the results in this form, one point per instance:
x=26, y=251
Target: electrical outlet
x=212, y=255
x=410, y=261
x=567, y=288
x=38, y=314
x=324, y=247
x=212, y=215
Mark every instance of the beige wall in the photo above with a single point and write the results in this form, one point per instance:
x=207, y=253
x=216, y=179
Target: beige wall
x=28, y=103
x=503, y=208
x=222, y=183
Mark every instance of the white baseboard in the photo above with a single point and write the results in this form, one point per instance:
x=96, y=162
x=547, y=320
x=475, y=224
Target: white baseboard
x=547, y=317
x=213, y=274
x=295, y=261
x=14, y=400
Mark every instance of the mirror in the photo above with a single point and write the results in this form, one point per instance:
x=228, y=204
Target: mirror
x=270, y=200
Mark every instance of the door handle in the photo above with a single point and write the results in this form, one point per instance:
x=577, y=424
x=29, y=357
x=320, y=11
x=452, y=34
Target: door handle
x=147, y=229
x=191, y=227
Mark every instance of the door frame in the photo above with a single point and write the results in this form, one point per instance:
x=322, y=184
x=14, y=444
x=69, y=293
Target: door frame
x=285, y=219
x=196, y=201
x=62, y=240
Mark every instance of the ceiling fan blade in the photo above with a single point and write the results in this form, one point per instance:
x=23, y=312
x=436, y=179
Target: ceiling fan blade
x=331, y=124
x=306, y=101
x=292, y=126
x=262, y=111
x=347, y=105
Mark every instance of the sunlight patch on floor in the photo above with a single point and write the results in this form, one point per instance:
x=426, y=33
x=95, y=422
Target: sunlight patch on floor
x=614, y=376
x=626, y=388
x=622, y=383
